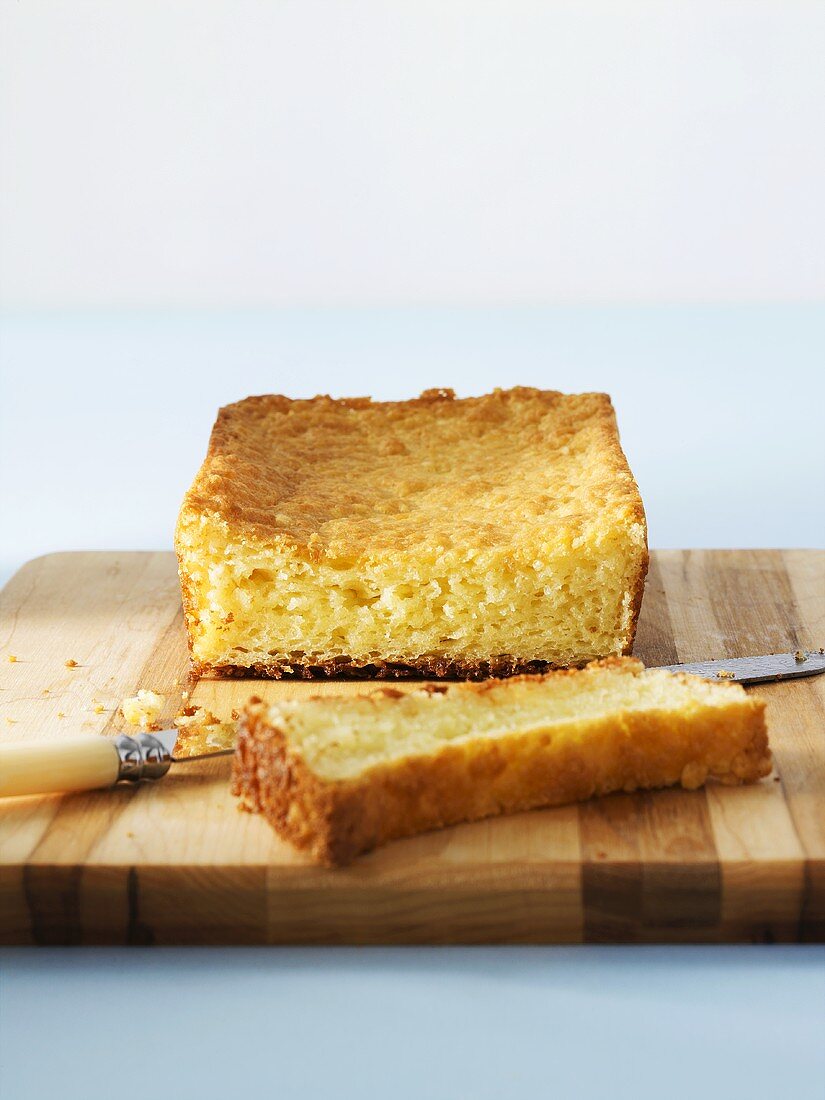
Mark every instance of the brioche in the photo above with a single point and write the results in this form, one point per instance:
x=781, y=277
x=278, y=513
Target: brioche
x=436, y=537
x=338, y=776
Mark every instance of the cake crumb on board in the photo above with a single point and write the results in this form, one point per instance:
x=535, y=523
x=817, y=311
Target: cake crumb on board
x=143, y=708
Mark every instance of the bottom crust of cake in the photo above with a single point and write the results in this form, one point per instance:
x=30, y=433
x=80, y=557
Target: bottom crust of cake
x=346, y=668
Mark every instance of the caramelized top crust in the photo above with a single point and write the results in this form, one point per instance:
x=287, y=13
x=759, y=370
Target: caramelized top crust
x=346, y=476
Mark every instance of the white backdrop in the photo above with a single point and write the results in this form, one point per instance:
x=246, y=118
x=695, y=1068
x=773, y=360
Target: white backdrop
x=242, y=152
x=196, y=196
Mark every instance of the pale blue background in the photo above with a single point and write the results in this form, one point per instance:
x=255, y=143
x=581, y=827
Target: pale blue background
x=439, y=1024
x=103, y=420
x=105, y=415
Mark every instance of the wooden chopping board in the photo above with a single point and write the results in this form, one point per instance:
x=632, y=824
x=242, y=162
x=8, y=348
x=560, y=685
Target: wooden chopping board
x=175, y=862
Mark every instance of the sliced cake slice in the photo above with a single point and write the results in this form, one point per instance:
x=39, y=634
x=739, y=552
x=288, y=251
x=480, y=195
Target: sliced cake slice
x=436, y=537
x=341, y=775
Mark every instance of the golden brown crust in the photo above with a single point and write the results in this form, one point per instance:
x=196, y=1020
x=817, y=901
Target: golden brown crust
x=637, y=591
x=337, y=820
x=342, y=476
x=189, y=616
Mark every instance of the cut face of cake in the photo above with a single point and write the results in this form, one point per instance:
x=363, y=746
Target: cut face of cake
x=436, y=537
x=339, y=776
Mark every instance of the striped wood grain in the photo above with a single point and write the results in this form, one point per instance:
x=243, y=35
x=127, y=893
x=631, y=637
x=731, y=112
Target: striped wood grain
x=175, y=862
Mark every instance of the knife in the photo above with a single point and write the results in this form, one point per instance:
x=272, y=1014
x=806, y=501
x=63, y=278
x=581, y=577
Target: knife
x=92, y=762
x=757, y=670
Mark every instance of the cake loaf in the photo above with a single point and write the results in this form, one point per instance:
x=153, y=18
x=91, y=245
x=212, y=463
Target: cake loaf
x=340, y=775
x=433, y=537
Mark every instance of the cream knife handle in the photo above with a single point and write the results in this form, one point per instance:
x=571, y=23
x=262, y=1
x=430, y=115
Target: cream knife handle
x=81, y=763
x=70, y=764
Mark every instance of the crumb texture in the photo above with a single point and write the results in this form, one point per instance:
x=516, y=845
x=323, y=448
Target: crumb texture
x=200, y=731
x=435, y=536
x=339, y=776
x=143, y=709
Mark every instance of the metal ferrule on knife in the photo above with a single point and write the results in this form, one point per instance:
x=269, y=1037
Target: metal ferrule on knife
x=143, y=756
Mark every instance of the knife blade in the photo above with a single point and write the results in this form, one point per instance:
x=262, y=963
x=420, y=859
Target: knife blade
x=756, y=670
